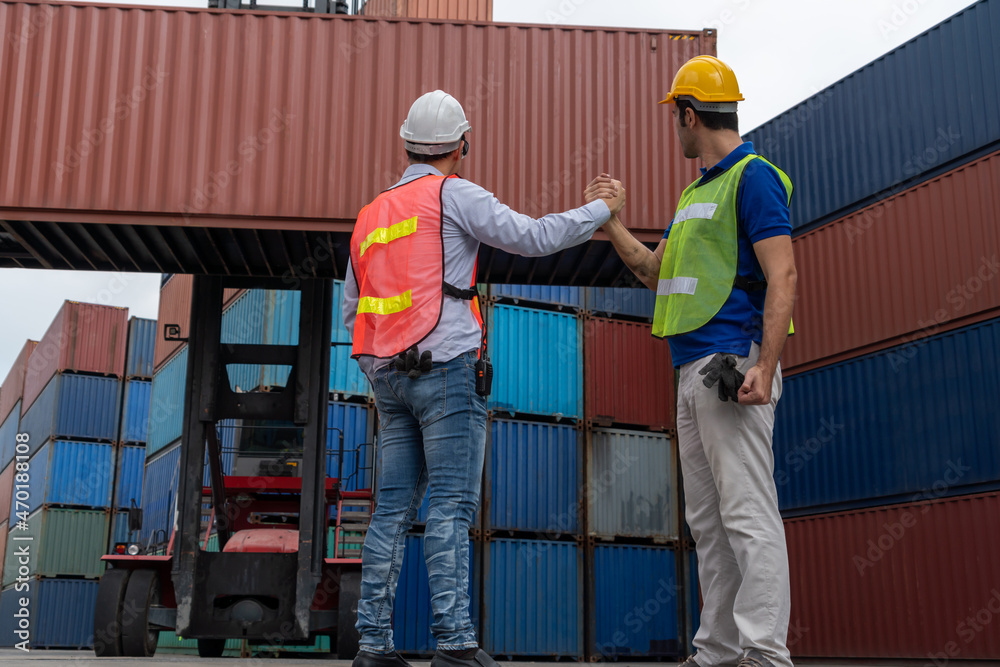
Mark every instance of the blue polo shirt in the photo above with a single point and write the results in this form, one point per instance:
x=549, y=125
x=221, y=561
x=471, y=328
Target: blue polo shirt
x=762, y=213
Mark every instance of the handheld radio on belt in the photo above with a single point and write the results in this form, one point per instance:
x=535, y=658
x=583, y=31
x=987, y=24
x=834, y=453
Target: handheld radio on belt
x=484, y=369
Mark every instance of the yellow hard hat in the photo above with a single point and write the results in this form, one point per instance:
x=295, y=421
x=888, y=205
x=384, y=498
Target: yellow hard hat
x=708, y=80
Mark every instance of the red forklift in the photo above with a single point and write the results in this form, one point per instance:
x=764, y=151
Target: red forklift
x=274, y=580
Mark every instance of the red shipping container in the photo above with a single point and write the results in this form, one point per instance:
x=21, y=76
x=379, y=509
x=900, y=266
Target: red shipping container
x=249, y=142
x=83, y=337
x=6, y=490
x=922, y=262
x=13, y=385
x=629, y=378
x=175, y=308
x=905, y=581
x=461, y=10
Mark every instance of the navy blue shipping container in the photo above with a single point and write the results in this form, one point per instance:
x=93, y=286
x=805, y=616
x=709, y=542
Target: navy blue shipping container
x=525, y=295
x=693, y=610
x=159, y=493
x=61, y=613
x=533, y=599
x=912, y=422
x=533, y=476
x=633, y=302
x=135, y=415
x=141, y=343
x=166, y=403
x=64, y=472
x=72, y=406
x=636, y=602
x=412, y=618
x=932, y=104
x=128, y=478
x=357, y=423
x=537, y=362
x=8, y=435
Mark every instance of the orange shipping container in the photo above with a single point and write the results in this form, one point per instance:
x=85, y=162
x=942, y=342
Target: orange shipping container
x=629, y=378
x=13, y=385
x=130, y=151
x=455, y=10
x=922, y=262
x=83, y=337
x=919, y=581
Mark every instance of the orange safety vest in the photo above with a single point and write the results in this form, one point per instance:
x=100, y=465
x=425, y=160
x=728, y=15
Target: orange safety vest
x=397, y=255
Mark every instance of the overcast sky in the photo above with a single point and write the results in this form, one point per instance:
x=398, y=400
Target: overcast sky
x=783, y=51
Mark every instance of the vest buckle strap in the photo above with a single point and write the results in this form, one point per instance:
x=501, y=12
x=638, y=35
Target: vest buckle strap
x=668, y=286
x=456, y=293
x=747, y=285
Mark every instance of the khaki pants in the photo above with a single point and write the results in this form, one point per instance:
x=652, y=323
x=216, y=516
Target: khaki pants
x=732, y=509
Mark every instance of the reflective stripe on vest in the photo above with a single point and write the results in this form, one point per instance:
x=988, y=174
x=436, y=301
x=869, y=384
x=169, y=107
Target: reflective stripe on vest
x=701, y=256
x=397, y=256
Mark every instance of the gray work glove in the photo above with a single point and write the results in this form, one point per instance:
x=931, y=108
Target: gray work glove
x=413, y=363
x=722, y=369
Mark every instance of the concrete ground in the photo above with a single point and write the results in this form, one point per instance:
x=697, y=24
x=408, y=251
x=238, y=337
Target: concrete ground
x=43, y=658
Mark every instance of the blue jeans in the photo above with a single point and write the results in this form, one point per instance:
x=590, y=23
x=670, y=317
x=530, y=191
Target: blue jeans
x=432, y=437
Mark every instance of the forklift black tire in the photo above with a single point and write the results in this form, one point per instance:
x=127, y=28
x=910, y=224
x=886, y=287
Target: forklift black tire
x=107, y=613
x=211, y=648
x=348, y=637
x=143, y=591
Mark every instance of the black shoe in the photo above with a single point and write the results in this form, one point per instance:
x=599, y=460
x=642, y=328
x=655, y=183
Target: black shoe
x=480, y=659
x=369, y=659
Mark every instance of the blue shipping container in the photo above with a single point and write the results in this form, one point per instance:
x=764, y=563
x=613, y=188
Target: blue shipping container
x=159, y=493
x=694, y=600
x=345, y=374
x=141, y=343
x=534, y=473
x=272, y=317
x=533, y=599
x=166, y=405
x=8, y=435
x=61, y=613
x=356, y=423
x=912, y=422
x=128, y=478
x=65, y=472
x=412, y=618
x=135, y=417
x=571, y=297
x=633, y=302
x=636, y=602
x=537, y=362
x=73, y=407
x=840, y=159
x=119, y=528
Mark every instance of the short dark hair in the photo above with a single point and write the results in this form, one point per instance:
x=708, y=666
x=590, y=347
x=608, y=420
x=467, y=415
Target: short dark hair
x=713, y=120
x=421, y=158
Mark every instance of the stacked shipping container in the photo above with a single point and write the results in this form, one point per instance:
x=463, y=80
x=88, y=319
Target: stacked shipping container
x=888, y=420
x=60, y=502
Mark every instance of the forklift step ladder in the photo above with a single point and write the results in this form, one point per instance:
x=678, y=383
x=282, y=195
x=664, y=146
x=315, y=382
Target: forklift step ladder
x=267, y=597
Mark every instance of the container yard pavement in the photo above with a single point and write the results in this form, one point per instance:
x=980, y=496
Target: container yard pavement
x=9, y=656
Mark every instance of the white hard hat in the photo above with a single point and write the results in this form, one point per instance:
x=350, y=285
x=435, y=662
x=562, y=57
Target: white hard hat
x=435, y=124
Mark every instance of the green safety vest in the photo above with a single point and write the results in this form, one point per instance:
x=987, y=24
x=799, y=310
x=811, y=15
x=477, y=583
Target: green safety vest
x=700, y=260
